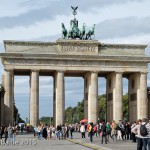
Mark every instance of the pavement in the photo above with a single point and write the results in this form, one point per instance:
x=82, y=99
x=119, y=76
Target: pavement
x=28, y=142
x=96, y=144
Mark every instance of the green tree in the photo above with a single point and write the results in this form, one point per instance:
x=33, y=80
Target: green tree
x=101, y=107
x=125, y=107
x=75, y=114
x=17, y=117
x=46, y=120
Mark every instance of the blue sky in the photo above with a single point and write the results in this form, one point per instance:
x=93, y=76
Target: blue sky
x=117, y=21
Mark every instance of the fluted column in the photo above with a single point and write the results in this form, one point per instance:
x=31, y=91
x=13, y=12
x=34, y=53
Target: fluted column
x=8, y=97
x=142, y=103
x=93, y=98
x=117, y=98
x=59, y=101
x=34, y=97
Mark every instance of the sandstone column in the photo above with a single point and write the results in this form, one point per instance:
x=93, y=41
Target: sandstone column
x=8, y=97
x=86, y=91
x=117, y=98
x=59, y=101
x=34, y=97
x=93, y=98
x=142, y=103
x=109, y=97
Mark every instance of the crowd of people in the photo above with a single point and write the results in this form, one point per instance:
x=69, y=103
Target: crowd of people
x=138, y=132
x=50, y=132
x=8, y=133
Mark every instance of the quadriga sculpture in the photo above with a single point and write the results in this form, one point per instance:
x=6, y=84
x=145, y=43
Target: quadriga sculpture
x=90, y=34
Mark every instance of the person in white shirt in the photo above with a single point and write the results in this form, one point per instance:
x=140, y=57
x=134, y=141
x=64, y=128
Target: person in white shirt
x=82, y=130
x=136, y=131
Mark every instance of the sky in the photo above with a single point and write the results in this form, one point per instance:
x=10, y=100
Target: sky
x=117, y=21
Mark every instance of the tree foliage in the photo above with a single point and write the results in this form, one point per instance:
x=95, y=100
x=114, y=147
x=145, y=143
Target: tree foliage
x=46, y=120
x=75, y=114
x=17, y=117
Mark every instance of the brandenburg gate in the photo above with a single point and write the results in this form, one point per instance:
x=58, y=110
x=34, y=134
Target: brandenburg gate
x=89, y=59
x=78, y=55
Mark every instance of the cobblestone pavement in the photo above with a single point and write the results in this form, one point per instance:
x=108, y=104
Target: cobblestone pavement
x=28, y=142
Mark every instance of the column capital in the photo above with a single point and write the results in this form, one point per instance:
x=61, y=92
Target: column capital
x=35, y=70
x=143, y=72
x=94, y=71
x=60, y=71
x=8, y=70
x=119, y=72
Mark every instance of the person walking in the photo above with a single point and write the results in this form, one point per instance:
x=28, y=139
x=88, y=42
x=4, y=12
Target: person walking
x=103, y=132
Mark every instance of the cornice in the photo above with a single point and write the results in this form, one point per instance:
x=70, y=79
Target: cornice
x=28, y=43
x=123, y=45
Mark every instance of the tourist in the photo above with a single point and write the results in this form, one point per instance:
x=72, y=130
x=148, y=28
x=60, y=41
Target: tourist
x=82, y=130
x=146, y=137
x=35, y=131
x=39, y=131
x=44, y=132
x=136, y=131
x=108, y=131
x=71, y=128
x=58, y=132
x=127, y=131
x=67, y=131
x=114, y=131
x=103, y=132
x=133, y=134
x=6, y=134
x=90, y=131
x=53, y=132
x=48, y=132
x=10, y=133
x=119, y=128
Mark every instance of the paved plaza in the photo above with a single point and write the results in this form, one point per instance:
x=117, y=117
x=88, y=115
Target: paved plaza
x=28, y=142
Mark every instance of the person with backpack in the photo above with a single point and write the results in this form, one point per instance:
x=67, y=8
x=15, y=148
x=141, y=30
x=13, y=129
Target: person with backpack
x=90, y=131
x=103, y=133
x=136, y=131
x=145, y=133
